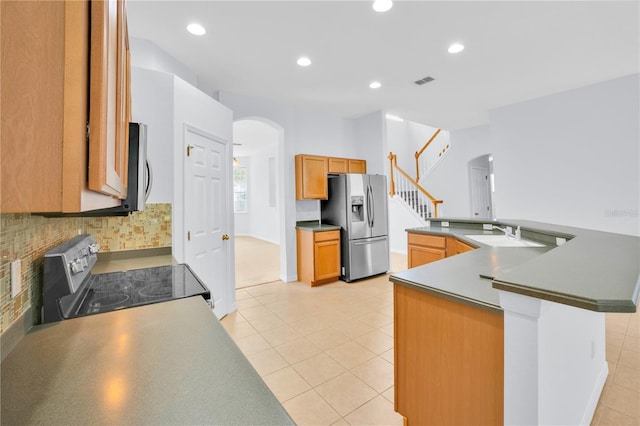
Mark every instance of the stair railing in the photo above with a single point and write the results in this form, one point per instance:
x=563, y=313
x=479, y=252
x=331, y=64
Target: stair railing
x=411, y=192
x=419, y=153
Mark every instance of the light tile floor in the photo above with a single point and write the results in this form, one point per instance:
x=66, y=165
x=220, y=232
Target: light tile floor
x=327, y=352
x=257, y=261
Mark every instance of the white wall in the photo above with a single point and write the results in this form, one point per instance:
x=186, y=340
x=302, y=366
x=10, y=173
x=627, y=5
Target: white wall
x=571, y=158
x=369, y=142
x=146, y=54
x=264, y=220
x=449, y=179
x=152, y=104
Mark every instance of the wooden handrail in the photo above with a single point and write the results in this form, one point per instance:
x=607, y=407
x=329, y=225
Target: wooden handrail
x=419, y=153
x=393, y=163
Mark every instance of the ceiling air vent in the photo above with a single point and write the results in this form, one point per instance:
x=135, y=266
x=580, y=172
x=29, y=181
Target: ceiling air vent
x=423, y=80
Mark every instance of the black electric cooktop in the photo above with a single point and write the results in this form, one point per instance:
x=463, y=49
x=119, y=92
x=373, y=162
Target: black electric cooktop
x=119, y=290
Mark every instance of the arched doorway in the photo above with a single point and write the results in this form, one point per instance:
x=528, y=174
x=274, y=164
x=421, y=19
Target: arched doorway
x=258, y=201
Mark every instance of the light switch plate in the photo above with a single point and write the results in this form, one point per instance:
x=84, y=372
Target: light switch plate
x=16, y=278
x=444, y=224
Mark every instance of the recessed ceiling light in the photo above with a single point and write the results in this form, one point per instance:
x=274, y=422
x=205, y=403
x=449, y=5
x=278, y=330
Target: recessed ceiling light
x=382, y=5
x=196, y=29
x=456, y=48
x=304, y=61
x=375, y=85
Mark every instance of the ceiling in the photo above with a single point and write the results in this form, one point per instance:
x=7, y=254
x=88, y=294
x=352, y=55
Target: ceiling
x=514, y=51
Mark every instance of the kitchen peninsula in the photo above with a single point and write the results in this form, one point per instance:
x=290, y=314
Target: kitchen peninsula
x=511, y=335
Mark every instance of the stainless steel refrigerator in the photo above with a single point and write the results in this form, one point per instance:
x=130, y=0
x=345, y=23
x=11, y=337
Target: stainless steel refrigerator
x=358, y=204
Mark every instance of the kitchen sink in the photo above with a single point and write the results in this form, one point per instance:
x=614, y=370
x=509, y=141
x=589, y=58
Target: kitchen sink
x=503, y=241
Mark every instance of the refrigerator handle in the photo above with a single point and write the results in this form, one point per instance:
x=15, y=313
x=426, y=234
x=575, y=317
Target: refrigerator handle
x=368, y=207
x=372, y=206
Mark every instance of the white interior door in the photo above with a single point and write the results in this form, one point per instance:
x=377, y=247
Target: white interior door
x=206, y=243
x=480, y=192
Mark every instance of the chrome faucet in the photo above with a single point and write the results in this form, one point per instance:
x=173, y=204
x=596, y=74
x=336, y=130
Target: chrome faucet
x=508, y=233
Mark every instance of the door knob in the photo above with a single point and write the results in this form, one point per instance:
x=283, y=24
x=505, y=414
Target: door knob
x=225, y=237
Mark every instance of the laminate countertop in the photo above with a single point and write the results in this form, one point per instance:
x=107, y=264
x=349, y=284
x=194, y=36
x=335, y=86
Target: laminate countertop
x=316, y=226
x=594, y=270
x=164, y=363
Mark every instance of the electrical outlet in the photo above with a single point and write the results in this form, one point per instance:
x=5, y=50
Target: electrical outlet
x=444, y=224
x=16, y=278
x=487, y=226
x=560, y=241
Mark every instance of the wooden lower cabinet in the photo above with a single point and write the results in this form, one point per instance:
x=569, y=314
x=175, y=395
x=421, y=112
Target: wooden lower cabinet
x=423, y=249
x=318, y=256
x=449, y=361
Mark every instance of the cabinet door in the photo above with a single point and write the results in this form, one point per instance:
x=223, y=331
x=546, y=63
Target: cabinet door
x=109, y=103
x=358, y=166
x=311, y=177
x=327, y=260
x=463, y=247
x=420, y=255
x=338, y=165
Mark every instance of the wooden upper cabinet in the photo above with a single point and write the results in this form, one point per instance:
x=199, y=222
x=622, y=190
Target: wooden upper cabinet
x=338, y=165
x=311, y=177
x=110, y=104
x=45, y=105
x=357, y=166
x=347, y=165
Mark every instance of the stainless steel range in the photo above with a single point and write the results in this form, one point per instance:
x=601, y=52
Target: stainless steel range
x=70, y=289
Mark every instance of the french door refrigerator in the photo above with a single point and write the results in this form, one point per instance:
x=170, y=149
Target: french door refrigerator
x=358, y=204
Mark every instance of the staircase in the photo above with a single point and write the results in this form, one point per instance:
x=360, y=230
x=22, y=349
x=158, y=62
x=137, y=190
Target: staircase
x=415, y=196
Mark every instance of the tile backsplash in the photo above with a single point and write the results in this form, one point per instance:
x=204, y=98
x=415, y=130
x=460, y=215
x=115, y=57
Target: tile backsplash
x=28, y=237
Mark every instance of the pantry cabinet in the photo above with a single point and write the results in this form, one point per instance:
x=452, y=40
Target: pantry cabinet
x=318, y=256
x=64, y=114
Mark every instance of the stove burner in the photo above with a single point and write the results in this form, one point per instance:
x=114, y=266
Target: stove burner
x=155, y=290
x=112, y=287
x=110, y=300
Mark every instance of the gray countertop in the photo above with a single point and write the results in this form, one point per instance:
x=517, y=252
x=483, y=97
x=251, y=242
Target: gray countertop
x=315, y=226
x=593, y=270
x=165, y=363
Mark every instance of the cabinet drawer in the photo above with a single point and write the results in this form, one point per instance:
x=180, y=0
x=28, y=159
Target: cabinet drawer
x=326, y=235
x=427, y=240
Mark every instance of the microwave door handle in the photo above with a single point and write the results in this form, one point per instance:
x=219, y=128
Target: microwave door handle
x=148, y=181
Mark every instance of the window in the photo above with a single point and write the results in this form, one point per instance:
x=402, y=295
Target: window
x=240, y=189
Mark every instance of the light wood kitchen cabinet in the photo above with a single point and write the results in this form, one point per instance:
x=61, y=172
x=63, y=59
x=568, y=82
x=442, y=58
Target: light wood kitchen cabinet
x=449, y=361
x=338, y=165
x=318, y=256
x=311, y=177
x=312, y=172
x=110, y=112
x=425, y=249
x=357, y=166
x=46, y=104
x=422, y=248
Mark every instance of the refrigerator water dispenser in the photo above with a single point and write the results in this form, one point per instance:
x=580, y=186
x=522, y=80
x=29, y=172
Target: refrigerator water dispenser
x=357, y=212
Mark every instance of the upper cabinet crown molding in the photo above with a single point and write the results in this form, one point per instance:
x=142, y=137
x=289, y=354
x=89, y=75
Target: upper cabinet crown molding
x=46, y=106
